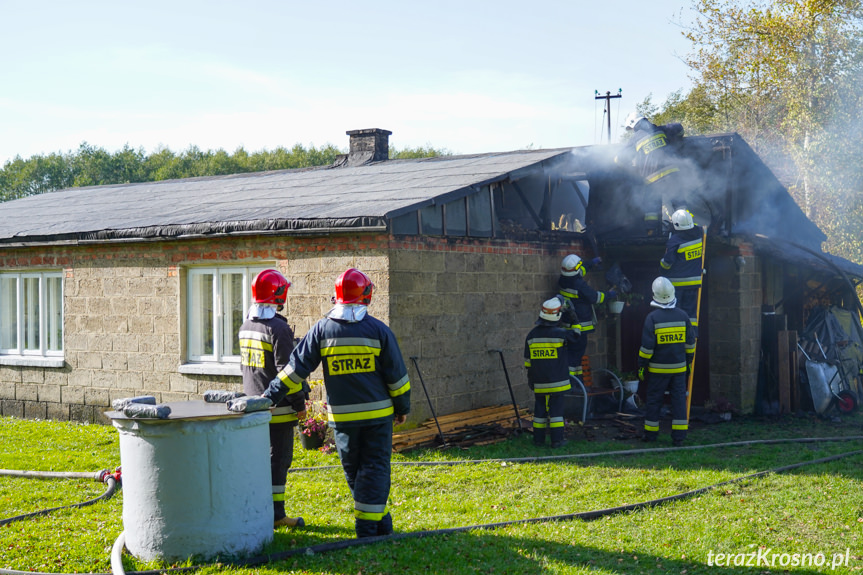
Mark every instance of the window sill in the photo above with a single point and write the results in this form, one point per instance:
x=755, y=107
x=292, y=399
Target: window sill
x=23, y=361
x=211, y=369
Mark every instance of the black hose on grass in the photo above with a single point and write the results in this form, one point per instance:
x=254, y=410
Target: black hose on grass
x=348, y=543
x=112, y=487
x=640, y=451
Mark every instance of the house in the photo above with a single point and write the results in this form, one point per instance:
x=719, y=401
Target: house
x=122, y=290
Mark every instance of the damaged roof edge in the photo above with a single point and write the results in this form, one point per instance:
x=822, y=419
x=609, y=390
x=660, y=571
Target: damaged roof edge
x=475, y=187
x=208, y=230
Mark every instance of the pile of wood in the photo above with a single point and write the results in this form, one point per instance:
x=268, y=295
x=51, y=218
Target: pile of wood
x=476, y=427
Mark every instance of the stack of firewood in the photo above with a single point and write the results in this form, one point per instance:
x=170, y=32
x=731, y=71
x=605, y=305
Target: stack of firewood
x=476, y=427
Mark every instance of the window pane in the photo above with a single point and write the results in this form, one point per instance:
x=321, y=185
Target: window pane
x=8, y=312
x=54, y=313
x=456, y=224
x=479, y=208
x=31, y=314
x=432, y=220
x=201, y=310
x=232, y=312
x=406, y=224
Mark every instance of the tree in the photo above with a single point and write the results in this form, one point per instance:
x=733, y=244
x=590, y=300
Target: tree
x=92, y=166
x=785, y=74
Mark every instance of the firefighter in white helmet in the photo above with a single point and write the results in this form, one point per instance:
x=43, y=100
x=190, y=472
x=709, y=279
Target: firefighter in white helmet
x=580, y=298
x=682, y=262
x=546, y=357
x=664, y=359
x=266, y=343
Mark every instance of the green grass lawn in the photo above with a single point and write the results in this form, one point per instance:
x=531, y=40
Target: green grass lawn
x=809, y=510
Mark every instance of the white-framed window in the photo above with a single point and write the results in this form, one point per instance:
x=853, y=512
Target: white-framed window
x=31, y=314
x=217, y=300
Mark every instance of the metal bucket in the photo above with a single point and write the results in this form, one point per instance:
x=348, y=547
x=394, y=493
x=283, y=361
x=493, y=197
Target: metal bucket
x=196, y=484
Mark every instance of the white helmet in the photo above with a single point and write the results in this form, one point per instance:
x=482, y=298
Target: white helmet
x=571, y=265
x=550, y=310
x=663, y=293
x=682, y=220
x=632, y=120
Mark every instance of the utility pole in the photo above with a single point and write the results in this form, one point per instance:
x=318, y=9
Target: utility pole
x=607, y=99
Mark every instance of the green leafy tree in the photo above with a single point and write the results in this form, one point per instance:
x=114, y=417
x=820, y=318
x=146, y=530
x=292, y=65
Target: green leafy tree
x=93, y=166
x=786, y=74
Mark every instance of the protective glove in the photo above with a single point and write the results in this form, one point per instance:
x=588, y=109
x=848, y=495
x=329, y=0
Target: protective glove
x=611, y=294
x=641, y=373
x=596, y=261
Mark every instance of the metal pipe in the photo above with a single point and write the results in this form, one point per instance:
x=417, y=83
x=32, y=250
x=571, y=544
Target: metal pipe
x=508, y=385
x=431, y=407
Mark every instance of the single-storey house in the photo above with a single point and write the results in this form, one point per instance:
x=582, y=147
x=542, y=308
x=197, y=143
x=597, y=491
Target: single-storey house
x=131, y=289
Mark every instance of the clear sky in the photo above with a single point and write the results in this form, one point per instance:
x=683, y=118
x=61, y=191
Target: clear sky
x=461, y=75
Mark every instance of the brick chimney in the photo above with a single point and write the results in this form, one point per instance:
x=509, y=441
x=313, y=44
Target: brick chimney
x=370, y=145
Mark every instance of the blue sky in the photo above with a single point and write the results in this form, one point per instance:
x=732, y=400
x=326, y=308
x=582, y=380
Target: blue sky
x=466, y=76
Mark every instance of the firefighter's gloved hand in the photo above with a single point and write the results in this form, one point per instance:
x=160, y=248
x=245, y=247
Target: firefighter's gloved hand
x=307, y=389
x=249, y=403
x=612, y=294
x=596, y=261
x=641, y=371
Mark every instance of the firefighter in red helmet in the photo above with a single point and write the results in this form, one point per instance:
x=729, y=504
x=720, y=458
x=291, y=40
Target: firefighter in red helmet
x=368, y=391
x=266, y=343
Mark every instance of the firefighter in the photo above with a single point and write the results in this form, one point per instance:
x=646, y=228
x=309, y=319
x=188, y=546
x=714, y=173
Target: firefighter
x=368, y=391
x=581, y=298
x=651, y=152
x=665, y=357
x=266, y=343
x=547, y=362
x=682, y=262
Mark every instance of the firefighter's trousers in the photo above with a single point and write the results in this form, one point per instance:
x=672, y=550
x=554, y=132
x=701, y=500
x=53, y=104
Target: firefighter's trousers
x=657, y=384
x=281, y=456
x=365, y=453
x=548, y=417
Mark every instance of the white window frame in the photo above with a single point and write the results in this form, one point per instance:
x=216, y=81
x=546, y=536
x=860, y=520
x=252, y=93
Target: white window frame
x=14, y=348
x=218, y=353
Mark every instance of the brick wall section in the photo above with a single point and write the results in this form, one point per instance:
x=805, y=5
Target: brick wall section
x=448, y=300
x=735, y=328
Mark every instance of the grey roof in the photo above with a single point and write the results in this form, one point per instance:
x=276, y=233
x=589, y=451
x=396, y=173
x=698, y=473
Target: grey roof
x=287, y=201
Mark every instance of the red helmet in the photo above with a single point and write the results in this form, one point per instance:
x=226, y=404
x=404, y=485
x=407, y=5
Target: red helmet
x=353, y=286
x=270, y=286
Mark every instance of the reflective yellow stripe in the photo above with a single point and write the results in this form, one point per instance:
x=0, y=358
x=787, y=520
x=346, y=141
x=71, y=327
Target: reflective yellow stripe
x=287, y=418
x=551, y=387
x=360, y=415
x=659, y=175
x=255, y=344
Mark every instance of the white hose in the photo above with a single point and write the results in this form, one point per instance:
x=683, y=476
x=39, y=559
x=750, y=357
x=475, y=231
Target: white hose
x=117, y=554
x=49, y=474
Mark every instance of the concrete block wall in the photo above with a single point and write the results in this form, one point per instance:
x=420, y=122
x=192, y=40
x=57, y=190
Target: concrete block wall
x=123, y=310
x=449, y=301
x=454, y=300
x=735, y=327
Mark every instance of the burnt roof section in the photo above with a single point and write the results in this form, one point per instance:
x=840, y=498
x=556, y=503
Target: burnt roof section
x=315, y=200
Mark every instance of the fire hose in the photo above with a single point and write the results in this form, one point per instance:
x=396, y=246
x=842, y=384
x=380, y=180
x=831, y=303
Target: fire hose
x=116, y=552
x=112, y=480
